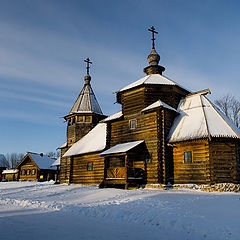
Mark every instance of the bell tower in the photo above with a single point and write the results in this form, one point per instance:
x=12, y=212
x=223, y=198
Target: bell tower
x=85, y=113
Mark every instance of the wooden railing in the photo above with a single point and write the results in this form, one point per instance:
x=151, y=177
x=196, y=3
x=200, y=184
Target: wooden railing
x=120, y=173
x=116, y=173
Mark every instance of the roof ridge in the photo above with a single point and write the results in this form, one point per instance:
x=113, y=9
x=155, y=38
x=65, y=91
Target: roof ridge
x=205, y=118
x=222, y=116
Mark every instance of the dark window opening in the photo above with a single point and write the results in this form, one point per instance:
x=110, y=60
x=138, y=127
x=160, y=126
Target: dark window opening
x=90, y=166
x=187, y=157
x=132, y=124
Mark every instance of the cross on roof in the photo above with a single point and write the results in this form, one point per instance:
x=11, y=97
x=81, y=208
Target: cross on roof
x=152, y=29
x=88, y=64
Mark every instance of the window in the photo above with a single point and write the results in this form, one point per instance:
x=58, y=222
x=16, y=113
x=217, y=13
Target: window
x=88, y=119
x=28, y=172
x=89, y=166
x=73, y=120
x=80, y=119
x=132, y=124
x=148, y=158
x=23, y=172
x=33, y=171
x=187, y=157
x=69, y=122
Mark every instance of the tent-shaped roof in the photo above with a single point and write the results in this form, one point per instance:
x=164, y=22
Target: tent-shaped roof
x=122, y=147
x=86, y=102
x=94, y=141
x=158, y=104
x=199, y=118
x=151, y=79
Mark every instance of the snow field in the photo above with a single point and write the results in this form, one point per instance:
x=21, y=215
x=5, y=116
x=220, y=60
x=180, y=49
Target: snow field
x=45, y=210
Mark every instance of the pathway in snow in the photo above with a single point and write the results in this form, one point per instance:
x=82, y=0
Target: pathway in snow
x=46, y=210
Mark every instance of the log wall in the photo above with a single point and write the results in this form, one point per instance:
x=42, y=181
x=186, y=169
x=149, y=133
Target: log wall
x=81, y=175
x=198, y=171
x=225, y=161
x=146, y=129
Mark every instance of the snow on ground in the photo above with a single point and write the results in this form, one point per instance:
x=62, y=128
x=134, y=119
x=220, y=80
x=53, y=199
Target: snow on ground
x=30, y=210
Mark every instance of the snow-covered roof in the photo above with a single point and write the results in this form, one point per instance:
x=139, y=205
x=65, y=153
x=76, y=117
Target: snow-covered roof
x=122, y=147
x=86, y=102
x=63, y=146
x=10, y=171
x=199, y=118
x=94, y=141
x=113, y=117
x=57, y=162
x=43, y=161
x=151, y=79
x=158, y=104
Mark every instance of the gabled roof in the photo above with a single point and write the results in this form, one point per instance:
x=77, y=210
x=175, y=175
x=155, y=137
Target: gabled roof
x=158, y=104
x=122, y=148
x=94, y=141
x=199, y=118
x=42, y=161
x=113, y=117
x=86, y=102
x=151, y=79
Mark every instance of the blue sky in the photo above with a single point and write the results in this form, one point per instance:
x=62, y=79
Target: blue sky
x=43, y=44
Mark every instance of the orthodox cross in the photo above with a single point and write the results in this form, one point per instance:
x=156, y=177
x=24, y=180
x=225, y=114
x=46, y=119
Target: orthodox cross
x=152, y=29
x=88, y=64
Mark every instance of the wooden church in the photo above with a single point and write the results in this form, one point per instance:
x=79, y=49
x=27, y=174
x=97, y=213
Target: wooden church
x=164, y=133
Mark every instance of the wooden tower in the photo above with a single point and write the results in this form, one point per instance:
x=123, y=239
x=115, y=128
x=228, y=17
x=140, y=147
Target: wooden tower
x=82, y=118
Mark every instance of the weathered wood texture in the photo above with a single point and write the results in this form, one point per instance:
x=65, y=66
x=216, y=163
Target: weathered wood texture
x=133, y=101
x=76, y=131
x=224, y=158
x=146, y=129
x=80, y=174
x=199, y=170
x=11, y=176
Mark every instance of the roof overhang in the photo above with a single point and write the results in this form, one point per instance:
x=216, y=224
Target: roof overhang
x=121, y=148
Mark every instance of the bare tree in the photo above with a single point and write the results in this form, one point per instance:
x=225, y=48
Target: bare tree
x=231, y=107
x=13, y=159
x=53, y=154
x=3, y=161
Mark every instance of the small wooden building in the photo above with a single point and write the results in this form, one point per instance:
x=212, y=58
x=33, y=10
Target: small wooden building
x=36, y=167
x=10, y=175
x=163, y=133
x=2, y=165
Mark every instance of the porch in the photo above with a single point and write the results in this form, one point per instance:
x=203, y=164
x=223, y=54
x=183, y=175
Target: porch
x=125, y=165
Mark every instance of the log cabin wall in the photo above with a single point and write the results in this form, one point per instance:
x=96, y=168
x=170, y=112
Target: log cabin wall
x=76, y=131
x=133, y=101
x=87, y=169
x=224, y=156
x=197, y=171
x=168, y=94
x=64, y=167
x=146, y=129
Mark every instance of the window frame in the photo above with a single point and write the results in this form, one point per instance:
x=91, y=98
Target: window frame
x=90, y=166
x=188, y=157
x=130, y=124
